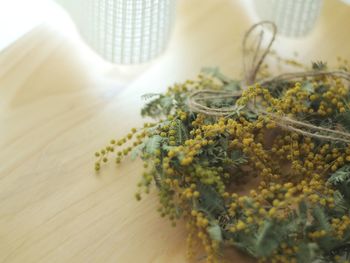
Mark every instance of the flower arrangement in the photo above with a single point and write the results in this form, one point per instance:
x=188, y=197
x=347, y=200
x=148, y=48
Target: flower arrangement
x=284, y=140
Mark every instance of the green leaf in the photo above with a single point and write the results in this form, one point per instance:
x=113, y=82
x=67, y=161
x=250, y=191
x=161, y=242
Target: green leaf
x=291, y=225
x=346, y=235
x=344, y=120
x=246, y=243
x=158, y=106
x=214, y=232
x=303, y=211
x=330, y=244
x=341, y=206
x=153, y=143
x=321, y=221
x=181, y=131
x=307, y=252
x=341, y=180
x=308, y=86
x=149, y=95
x=210, y=201
x=166, y=103
x=238, y=158
x=137, y=150
x=321, y=218
x=340, y=176
x=215, y=72
x=267, y=240
x=232, y=86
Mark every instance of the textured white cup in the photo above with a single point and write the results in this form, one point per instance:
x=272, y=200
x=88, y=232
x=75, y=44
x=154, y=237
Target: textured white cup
x=124, y=31
x=293, y=18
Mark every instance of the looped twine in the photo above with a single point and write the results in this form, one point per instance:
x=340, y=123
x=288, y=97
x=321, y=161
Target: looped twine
x=250, y=71
x=251, y=66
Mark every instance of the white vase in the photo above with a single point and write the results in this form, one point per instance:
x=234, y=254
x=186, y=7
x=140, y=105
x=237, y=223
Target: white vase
x=124, y=31
x=293, y=18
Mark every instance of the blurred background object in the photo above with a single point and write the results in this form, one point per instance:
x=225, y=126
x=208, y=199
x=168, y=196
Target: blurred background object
x=293, y=18
x=124, y=31
x=136, y=31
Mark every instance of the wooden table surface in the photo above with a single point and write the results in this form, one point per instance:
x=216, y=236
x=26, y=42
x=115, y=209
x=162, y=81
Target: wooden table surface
x=59, y=103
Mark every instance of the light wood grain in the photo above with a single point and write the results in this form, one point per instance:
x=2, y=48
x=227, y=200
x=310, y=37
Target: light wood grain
x=59, y=103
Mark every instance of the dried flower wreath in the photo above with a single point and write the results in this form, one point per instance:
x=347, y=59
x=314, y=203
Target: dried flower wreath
x=289, y=133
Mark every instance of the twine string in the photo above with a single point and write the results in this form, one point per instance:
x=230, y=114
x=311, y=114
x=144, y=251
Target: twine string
x=250, y=73
x=197, y=99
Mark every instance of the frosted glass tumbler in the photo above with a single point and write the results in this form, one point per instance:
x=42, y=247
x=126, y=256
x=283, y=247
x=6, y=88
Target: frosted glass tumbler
x=124, y=31
x=293, y=18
